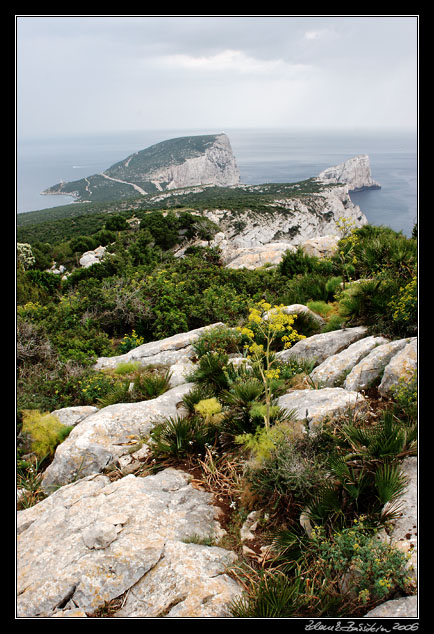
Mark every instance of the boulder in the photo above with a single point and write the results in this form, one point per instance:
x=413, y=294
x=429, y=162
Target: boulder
x=332, y=371
x=371, y=368
x=405, y=607
x=321, y=247
x=256, y=256
x=402, y=367
x=101, y=438
x=92, y=257
x=189, y=581
x=93, y=540
x=165, y=352
x=317, y=406
x=404, y=529
x=71, y=416
x=318, y=347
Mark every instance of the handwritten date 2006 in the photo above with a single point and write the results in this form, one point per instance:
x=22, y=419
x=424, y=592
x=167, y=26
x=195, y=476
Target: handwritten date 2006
x=351, y=626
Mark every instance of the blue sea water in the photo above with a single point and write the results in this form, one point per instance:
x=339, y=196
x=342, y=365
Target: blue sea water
x=263, y=156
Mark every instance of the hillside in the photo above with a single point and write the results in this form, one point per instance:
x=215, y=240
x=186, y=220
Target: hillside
x=171, y=164
x=217, y=407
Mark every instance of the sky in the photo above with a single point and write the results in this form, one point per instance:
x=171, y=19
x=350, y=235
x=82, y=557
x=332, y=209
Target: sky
x=87, y=74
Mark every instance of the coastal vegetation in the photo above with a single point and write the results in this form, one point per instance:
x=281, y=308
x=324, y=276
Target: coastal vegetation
x=234, y=438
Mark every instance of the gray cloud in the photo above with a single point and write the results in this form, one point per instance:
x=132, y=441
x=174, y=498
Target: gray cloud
x=81, y=74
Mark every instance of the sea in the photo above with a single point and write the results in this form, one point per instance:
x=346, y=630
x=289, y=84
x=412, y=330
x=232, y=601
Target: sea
x=262, y=156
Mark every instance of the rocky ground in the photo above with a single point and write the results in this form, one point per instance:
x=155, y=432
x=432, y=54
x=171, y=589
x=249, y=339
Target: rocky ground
x=113, y=539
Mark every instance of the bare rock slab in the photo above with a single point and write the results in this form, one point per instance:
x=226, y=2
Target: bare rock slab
x=319, y=347
x=101, y=438
x=71, y=416
x=333, y=371
x=402, y=367
x=405, y=607
x=164, y=352
x=319, y=405
x=189, y=581
x=371, y=368
x=93, y=540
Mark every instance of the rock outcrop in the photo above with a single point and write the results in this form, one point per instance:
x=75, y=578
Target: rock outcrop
x=313, y=407
x=139, y=539
x=94, y=540
x=333, y=371
x=165, y=352
x=319, y=347
x=356, y=173
x=106, y=435
x=92, y=257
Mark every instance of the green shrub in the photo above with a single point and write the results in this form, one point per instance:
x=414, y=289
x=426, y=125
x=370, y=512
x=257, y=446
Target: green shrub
x=144, y=386
x=127, y=367
x=45, y=431
x=297, y=262
x=178, y=437
x=368, y=303
x=292, y=470
x=129, y=342
x=219, y=340
x=211, y=371
x=341, y=574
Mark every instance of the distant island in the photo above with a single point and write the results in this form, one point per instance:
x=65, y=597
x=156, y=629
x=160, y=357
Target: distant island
x=172, y=164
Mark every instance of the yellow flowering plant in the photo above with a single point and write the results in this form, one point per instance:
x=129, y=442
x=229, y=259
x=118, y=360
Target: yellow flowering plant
x=267, y=324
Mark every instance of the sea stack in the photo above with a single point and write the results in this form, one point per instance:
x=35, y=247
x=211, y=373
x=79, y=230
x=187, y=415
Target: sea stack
x=356, y=173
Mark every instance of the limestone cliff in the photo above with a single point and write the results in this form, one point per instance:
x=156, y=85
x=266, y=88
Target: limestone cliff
x=172, y=164
x=356, y=173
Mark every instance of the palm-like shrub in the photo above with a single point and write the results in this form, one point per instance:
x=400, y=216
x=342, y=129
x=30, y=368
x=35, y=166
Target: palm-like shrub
x=178, y=437
x=211, y=371
x=342, y=573
x=357, y=487
x=143, y=386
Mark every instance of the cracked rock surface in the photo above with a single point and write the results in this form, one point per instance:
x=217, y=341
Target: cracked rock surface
x=93, y=540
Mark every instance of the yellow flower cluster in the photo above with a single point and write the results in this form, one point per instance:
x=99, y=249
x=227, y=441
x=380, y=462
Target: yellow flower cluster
x=272, y=374
x=404, y=306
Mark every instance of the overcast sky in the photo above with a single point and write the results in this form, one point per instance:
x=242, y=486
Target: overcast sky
x=113, y=73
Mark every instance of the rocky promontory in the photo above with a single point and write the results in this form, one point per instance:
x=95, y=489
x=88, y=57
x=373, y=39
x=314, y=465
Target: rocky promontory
x=172, y=164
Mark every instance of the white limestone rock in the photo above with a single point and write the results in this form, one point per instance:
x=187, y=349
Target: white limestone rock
x=71, y=416
x=371, y=367
x=405, y=607
x=93, y=540
x=299, y=309
x=165, y=352
x=92, y=257
x=332, y=371
x=319, y=405
x=321, y=247
x=189, y=581
x=254, y=257
x=215, y=166
x=101, y=438
x=402, y=367
x=404, y=531
x=356, y=173
x=318, y=347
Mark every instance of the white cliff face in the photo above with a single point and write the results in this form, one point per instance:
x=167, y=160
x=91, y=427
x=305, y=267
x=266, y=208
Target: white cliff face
x=356, y=173
x=304, y=219
x=216, y=166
